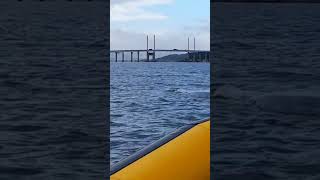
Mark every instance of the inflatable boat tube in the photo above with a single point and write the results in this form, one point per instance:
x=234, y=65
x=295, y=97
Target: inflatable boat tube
x=182, y=155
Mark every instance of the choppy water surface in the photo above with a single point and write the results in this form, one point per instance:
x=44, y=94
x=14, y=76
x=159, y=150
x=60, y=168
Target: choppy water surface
x=150, y=100
x=52, y=90
x=266, y=91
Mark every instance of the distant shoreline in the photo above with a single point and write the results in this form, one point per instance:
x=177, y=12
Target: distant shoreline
x=167, y=58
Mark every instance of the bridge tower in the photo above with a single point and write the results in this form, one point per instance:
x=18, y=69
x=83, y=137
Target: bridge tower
x=154, y=47
x=193, y=55
x=147, y=48
x=151, y=52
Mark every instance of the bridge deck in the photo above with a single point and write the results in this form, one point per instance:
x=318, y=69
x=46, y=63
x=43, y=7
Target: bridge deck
x=158, y=50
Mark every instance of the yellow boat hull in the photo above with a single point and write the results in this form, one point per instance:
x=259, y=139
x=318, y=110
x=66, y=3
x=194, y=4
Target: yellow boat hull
x=183, y=155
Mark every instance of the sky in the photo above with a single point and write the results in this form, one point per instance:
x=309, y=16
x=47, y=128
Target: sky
x=172, y=21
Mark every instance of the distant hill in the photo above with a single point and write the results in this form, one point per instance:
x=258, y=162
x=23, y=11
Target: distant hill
x=173, y=58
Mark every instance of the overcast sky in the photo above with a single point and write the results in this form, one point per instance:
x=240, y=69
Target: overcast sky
x=172, y=21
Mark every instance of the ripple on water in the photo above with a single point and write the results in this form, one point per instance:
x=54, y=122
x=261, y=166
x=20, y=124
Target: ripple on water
x=152, y=103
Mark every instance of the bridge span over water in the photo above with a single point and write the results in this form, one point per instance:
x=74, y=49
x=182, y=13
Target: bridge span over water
x=193, y=55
